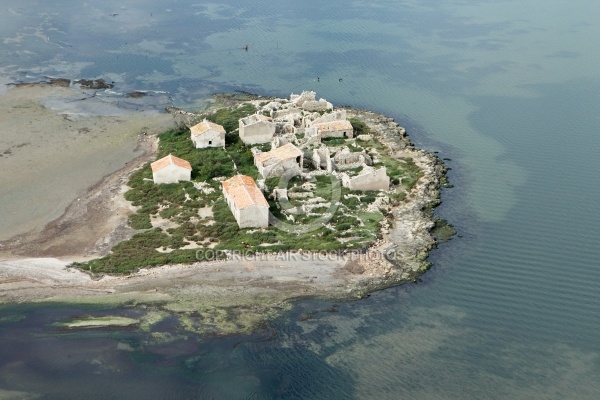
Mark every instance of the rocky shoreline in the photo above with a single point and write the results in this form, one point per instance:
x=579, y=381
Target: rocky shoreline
x=407, y=233
x=237, y=295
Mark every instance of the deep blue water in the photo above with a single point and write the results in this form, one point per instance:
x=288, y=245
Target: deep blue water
x=508, y=90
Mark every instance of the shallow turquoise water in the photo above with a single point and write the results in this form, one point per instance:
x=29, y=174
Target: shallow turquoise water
x=507, y=90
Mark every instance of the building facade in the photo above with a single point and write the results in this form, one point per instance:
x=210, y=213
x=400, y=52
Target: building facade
x=246, y=202
x=171, y=169
x=369, y=179
x=338, y=129
x=207, y=134
x=256, y=129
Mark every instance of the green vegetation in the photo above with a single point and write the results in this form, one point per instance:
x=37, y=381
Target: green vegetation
x=172, y=218
x=229, y=117
x=402, y=171
x=334, y=142
x=360, y=128
x=443, y=231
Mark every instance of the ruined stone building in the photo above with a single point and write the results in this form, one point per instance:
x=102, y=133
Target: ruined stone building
x=321, y=158
x=307, y=100
x=338, y=129
x=284, y=160
x=256, y=129
x=246, y=202
x=345, y=159
x=171, y=169
x=368, y=179
x=299, y=99
x=207, y=134
x=335, y=115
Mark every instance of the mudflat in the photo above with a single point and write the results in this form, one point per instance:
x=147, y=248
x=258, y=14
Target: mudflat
x=53, y=149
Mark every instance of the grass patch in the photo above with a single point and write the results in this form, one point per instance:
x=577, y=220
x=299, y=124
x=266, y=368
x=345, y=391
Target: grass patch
x=229, y=117
x=334, y=141
x=360, y=128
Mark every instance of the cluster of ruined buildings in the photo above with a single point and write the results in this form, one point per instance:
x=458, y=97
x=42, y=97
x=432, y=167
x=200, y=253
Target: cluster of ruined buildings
x=295, y=130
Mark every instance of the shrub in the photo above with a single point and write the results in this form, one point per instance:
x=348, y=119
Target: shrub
x=229, y=117
x=139, y=221
x=360, y=128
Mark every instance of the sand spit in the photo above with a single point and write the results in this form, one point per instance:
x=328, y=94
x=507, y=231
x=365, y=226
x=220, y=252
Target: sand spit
x=233, y=295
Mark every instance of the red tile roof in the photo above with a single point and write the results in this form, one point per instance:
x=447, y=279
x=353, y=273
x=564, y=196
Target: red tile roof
x=170, y=160
x=243, y=192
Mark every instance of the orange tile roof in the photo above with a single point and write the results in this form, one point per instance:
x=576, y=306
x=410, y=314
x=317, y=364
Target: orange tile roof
x=170, y=160
x=284, y=152
x=333, y=126
x=243, y=191
x=205, y=126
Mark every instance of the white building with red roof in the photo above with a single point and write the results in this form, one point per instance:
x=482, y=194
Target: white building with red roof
x=246, y=202
x=171, y=169
x=207, y=134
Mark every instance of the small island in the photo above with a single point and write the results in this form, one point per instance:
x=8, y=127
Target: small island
x=252, y=203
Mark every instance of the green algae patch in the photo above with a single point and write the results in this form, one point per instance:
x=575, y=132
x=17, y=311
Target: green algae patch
x=99, y=322
x=152, y=318
x=225, y=321
x=113, y=299
x=12, y=318
x=443, y=231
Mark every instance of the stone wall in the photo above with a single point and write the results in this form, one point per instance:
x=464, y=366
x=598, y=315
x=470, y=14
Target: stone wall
x=252, y=217
x=255, y=132
x=300, y=99
x=336, y=115
x=317, y=105
x=276, y=168
x=345, y=159
x=368, y=179
x=321, y=159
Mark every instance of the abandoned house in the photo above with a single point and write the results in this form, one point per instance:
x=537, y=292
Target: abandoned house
x=345, y=159
x=171, y=169
x=256, y=129
x=337, y=129
x=307, y=100
x=207, y=134
x=284, y=160
x=246, y=202
x=368, y=179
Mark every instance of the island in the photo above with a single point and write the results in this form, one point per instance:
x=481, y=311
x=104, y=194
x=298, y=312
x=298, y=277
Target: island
x=238, y=210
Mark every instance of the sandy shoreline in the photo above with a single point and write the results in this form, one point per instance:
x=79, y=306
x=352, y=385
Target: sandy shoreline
x=33, y=266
